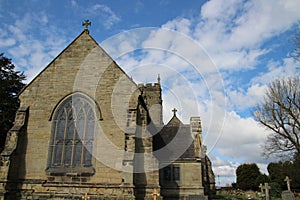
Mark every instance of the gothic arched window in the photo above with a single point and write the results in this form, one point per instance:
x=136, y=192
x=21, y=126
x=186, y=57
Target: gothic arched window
x=72, y=136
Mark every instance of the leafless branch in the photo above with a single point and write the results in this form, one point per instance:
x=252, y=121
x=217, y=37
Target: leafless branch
x=280, y=113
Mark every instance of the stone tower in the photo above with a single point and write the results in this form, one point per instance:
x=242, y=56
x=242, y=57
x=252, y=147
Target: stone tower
x=149, y=118
x=151, y=94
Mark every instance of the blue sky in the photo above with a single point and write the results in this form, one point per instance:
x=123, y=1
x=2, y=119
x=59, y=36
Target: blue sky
x=215, y=57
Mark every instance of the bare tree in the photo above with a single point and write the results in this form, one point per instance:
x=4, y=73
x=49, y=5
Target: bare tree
x=280, y=112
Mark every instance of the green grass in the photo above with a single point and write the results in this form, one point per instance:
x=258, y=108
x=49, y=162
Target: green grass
x=229, y=196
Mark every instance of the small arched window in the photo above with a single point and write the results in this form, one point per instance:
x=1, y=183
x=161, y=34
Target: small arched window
x=72, y=137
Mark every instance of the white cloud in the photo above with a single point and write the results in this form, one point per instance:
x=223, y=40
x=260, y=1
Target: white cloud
x=245, y=134
x=7, y=42
x=288, y=67
x=224, y=170
x=30, y=53
x=234, y=30
x=262, y=21
x=240, y=99
x=17, y=32
x=247, y=24
x=110, y=18
x=181, y=25
x=100, y=12
x=236, y=60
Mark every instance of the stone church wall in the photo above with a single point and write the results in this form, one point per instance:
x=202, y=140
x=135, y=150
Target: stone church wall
x=59, y=80
x=83, y=67
x=189, y=182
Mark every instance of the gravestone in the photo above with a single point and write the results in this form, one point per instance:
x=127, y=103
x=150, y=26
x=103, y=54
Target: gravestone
x=265, y=190
x=287, y=195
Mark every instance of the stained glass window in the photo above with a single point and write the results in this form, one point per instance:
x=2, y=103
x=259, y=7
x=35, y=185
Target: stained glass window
x=73, y=127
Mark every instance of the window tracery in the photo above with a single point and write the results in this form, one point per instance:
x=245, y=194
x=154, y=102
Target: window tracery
x=72, y=136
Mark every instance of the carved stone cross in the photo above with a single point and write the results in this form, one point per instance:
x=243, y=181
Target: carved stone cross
x=264, y=189
x=267, y=188
x=288, y=182
x=174, y=111
x=86, y=24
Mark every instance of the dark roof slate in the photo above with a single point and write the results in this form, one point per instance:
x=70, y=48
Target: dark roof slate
x=175, y=141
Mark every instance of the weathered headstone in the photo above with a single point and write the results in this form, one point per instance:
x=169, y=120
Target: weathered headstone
x=287, y=195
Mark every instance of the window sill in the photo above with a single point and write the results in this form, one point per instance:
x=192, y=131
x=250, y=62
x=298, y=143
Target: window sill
x=72, y=171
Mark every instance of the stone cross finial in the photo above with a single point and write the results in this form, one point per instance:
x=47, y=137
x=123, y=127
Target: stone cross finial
x=288, y=183
x=155, y=194
x=174, y=111
x=85, y=197
x=86, y=24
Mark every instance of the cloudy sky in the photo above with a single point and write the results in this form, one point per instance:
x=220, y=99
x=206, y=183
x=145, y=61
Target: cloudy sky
x=214, y=57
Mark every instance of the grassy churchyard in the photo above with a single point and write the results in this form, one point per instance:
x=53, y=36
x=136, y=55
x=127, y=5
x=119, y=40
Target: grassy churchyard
x=238, y=194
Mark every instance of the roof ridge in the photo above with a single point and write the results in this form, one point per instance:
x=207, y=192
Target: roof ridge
x=174, y=121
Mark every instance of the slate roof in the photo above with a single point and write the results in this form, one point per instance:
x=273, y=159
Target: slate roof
x=174, y=141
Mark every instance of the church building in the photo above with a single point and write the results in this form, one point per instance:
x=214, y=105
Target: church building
x=85, y=130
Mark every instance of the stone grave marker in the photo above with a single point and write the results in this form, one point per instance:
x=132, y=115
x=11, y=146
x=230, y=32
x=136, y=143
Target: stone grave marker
x=265, y=190
x=287, y=195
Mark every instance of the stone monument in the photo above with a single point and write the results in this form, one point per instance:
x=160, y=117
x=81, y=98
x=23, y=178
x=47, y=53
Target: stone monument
x=287, y=194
